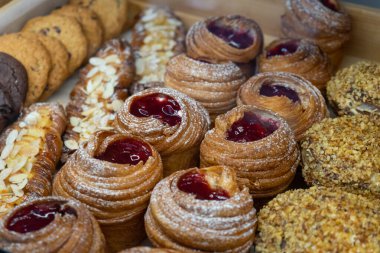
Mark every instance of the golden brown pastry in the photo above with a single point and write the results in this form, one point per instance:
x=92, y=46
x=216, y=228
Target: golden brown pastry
x=148, y=250
x=258, y=144
x=214, y=85
x=51, y=224
x=226, y=38
x=294, y=98
x=113, y=174
x=201, y=210
x=30, y=149
x=172, y=122
x=324, y=22
x=298, y=56
x=98, y=95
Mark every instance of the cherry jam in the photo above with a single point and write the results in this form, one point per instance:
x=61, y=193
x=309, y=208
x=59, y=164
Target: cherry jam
x=286, y=48
x=271, y=90
x=237, y=39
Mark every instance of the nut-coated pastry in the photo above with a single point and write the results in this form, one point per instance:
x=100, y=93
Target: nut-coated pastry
x=98, y=95
x=172, y=122
x=319, y=219
x=324, y=22
x=148, y=250
x=294, y=98
x=51, y=224
x=356, y=89
x=226, y=38
x=30, y=149
x=113, y=174
x=258, y=144
x=214, y=85
x=298, y=56
x=201, y=210
x=344, y=152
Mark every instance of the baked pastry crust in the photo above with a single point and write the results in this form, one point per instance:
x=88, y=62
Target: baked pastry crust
x=308, y=61
x=204, y=45
x=300, y=115
x=30, y=149
x=148, y=250
x=266, y=166
x=177, y=220
x=116, y=194
x=69, y=233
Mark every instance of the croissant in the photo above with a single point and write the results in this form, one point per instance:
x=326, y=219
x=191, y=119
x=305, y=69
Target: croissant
x=298, y=56
x=294, y=98
x=172, y=122
x=201, y=210
x=30, y=149
x=148, y=250
x=227, y=38
x=324, y=22
x=113, y=174
x=214, y=85
x=258, y=144
x=51, y=224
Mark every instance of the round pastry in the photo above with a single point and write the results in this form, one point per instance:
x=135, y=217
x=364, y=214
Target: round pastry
x=324, y=22
x=51, y=224
x=294, y=98
x=344, y=152
x=319, y=219
x=13, y=88
x=148, y=250
x=298, y=56
x=201, y=210
x=113, y=174
x=227, y=38
x=172, y=122
x=258, y=144
x=214, y=85
x=356, y=89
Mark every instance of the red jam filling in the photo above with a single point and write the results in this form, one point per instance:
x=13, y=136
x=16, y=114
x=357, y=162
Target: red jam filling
x=251, y=128
x=286, y=48
x=271, y=90
x=195, y=183
x=237, y=39
x=329, y=4
x=37, y=216
x=160, y=106
x=126, y=151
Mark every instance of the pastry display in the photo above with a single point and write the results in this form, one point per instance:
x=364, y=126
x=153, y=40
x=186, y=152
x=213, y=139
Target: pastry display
x=319, y=219
x=51, y=224
x=324, y=22
x=294, y=98
x=148, y=250
x=258, y=144
x=172, y=122
x=201, y=210
x=356, y=89
x=344, y=152
x=226, y=38
x=98, y=95
x=113, y=174
x=298, y=56
x=214, y=85
x=13, y=88
x=30, y=149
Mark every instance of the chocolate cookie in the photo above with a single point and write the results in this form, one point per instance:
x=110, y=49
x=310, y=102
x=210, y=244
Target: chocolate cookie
x=13, y=87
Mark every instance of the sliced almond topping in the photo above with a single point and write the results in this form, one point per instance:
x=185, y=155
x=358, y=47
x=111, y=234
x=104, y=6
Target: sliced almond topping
x=117, y=104
x=5, y=173
x=11, y=137
x=74, y=121
x=32, y=118
x=6, y=151
x=113, y=58
x=20, y=164
x=108, y=91
x=22, y=124
x=92, y=72
x=23, y=183
x=96, y=61
x=16, y=190
x=3, y=187
x=71, y=144
x=77, y=129
x=18, y=178
x=11, y=199
x=2, y=164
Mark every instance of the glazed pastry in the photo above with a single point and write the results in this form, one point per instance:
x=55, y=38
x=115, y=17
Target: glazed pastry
x=344, y=152
x=307, y=220
x=157, y=36
x=51, y=224
x=323, y=21
x=222, y=39
x=172, y=122
x=99, y=94
x=356, y=89
x=148, y=250
x=301, y=57
x=30, y=149
x=201, y=210
x=258, y=144
x=113, y=174
x=294, y=98
x=214, y=85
